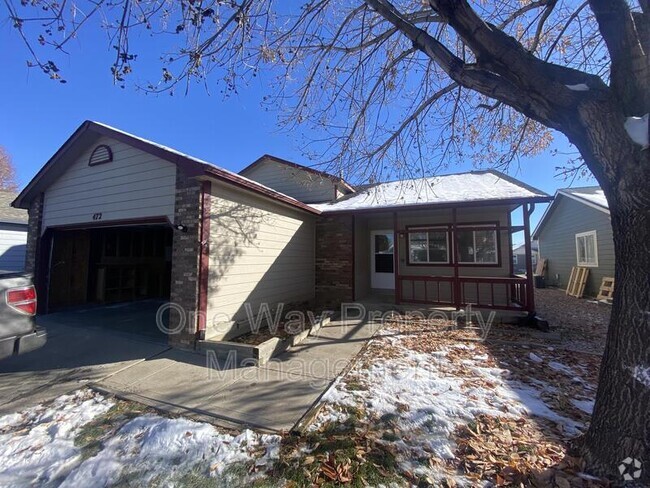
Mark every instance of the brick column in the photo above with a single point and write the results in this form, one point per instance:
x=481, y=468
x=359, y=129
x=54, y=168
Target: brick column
x=185, y=260
x=34, y=233
x=334, y=260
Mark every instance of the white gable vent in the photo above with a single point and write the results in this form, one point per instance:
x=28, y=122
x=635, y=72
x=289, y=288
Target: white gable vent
x=100, y=155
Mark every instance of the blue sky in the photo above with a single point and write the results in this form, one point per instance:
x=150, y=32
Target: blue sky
x=38, y=115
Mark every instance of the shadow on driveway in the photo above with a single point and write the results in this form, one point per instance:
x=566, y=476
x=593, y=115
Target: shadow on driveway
x=83, y=346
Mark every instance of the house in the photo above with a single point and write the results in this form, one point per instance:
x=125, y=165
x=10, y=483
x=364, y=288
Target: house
x=13, y=234
x=519, y=257
x=116, y=218
x=575, y=230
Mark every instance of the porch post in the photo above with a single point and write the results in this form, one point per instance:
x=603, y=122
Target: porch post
x=530, y=292
x=398, y=297
x=454, y=254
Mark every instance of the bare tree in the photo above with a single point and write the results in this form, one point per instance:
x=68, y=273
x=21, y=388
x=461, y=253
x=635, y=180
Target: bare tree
x=7, y=172
x=412, y=86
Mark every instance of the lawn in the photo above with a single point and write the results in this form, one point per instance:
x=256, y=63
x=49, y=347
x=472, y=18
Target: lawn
x=424, y=404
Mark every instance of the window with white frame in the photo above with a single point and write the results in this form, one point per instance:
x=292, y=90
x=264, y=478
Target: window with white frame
x=587, y=249
x=430, y=246
x=477, y=246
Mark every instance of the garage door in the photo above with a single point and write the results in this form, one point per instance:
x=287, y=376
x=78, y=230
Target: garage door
x=109, y=265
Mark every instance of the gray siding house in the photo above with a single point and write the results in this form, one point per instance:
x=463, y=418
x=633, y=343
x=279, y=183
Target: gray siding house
x=114, y=218
x=13, y=234
x=575, y=230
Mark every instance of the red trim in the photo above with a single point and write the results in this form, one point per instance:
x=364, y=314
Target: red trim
x=398, y=294
x=530, y=292
x=204, y=253
x=114, y=223
x=354, y=252
x=242, y=182
x=190, y=166
x=458, y=291
x=276, y=159
x=471, y=226
x=512, y=265
x=456, y=284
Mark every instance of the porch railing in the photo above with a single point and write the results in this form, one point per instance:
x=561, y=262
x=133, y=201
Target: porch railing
x=498, y=293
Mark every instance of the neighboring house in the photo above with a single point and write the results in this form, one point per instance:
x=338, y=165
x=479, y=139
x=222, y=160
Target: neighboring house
x=115, y=218
x=519, y=257
x=13, y=234
x=575, y=230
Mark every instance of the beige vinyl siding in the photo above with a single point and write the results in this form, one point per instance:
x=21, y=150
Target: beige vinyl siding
x=302, y=185
x=260, y=252
x=13, y=241
x=134, y=185
x=557, y=242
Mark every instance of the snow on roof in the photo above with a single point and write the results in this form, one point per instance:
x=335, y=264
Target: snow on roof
x=592, y=194
x=453, y=188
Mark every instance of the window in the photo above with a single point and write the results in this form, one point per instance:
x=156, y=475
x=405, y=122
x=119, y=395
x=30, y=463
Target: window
x=429, y=247
x=587, y=249
x=477, y=247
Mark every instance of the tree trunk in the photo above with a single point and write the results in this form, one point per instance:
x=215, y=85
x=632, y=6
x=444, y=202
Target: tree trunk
x=620, y=426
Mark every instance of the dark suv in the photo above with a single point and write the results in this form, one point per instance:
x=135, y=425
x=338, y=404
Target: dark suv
x=18, y=331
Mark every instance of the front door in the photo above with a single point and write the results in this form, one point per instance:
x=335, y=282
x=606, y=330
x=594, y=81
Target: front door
x=382, y=272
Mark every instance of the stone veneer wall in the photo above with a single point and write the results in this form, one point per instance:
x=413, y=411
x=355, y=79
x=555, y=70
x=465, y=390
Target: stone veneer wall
x=33, y=233
x=334, y=260
x=185, y=260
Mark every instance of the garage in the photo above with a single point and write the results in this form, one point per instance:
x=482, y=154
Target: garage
x=109, y=265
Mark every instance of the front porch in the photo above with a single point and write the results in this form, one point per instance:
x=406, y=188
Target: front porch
x=446, y=257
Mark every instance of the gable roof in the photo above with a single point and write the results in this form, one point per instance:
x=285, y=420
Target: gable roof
x=268, y=157
x=591, y=196
x=8, y=214
x=90, y=130
x=460, y=188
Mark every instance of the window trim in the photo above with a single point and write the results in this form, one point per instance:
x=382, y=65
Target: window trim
x=426, y=229
x=488, y=226
x=453, y=253
x=590, y=233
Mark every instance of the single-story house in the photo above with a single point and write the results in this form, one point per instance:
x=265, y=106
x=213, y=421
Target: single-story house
x=115, y=218
x=519, y=257
x=13, y=234
x=575, y=230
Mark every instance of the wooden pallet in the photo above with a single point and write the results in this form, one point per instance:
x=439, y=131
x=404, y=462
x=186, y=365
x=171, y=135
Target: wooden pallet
x=606, y=291
x=541, y=267
x=577, y=281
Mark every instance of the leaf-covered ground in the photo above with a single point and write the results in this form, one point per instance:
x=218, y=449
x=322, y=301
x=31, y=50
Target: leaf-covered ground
x=430, y=405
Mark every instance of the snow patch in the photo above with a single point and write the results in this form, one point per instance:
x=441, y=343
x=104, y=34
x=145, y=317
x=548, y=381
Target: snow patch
x=587, y=406
x=637, y=129
x=581, y=87
x=535, y=358
x=37, y=445
x=562, y=368
x=642, y=375
x=151, y=447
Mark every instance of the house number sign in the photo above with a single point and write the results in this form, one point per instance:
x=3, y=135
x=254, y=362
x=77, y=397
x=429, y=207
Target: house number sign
x=97, y=216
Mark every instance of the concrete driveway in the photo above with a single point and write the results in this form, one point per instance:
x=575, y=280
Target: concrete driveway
x=272, y=397
x=82, y=347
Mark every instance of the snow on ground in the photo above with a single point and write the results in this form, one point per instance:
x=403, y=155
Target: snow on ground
x=37, y=447
x=430, y=395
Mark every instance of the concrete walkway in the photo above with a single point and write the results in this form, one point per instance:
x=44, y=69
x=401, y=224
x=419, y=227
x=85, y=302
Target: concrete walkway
x=272, y=397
